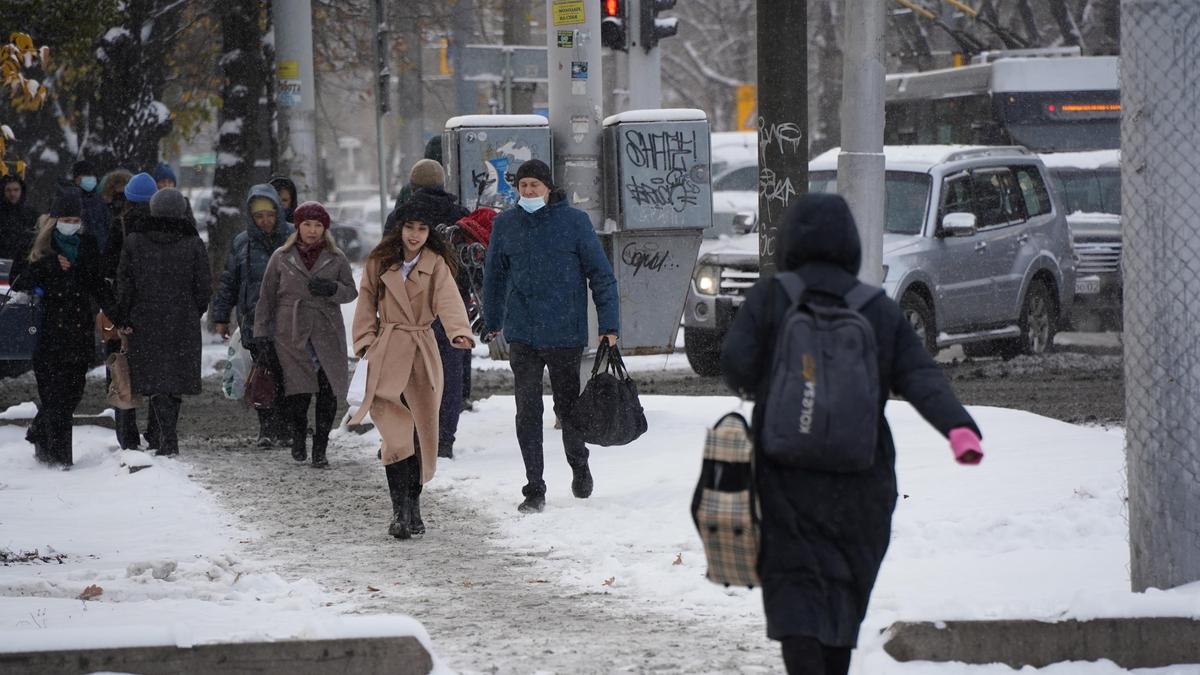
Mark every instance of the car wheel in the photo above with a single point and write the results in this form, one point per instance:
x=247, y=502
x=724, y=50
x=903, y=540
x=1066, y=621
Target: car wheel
x=1038, y=320
x=919, y=316
x=703, y=349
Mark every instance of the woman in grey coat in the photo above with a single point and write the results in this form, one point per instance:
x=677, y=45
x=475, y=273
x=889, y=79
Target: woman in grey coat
x=163, y=286
x=298, y=308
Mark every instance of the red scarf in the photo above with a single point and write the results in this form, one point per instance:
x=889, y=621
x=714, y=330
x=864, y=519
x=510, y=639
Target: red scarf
x=309, y=254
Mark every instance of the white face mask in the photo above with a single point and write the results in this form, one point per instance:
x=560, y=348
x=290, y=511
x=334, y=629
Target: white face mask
x=67, y=229
x=531, y=204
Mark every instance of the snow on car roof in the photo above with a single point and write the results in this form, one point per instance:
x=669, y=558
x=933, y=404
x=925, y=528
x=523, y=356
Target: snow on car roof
x=497, y=121
x=1095, y=159
x=657, y=115
x=916, y=157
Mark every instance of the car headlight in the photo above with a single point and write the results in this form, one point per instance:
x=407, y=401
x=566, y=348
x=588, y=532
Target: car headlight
x=708, y=279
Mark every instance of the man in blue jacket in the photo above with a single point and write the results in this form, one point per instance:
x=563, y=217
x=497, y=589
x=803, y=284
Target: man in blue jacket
x=542, y=257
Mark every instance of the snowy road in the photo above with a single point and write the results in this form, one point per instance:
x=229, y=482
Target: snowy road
x=487, y=607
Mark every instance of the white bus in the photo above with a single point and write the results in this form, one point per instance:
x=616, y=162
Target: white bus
x=1045, y=103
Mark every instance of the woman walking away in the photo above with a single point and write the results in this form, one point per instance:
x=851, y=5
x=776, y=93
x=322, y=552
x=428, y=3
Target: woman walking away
x=64, y=269
x=163, y=285
x=824, y=534
x=408, y=282
x=305, y=281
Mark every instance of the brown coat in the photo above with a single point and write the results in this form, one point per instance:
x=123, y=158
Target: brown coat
x=293, y=317
x=392, y=330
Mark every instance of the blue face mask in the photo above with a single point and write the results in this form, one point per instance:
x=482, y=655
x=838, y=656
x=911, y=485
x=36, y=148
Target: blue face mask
x=531, y=204
x=87, y=183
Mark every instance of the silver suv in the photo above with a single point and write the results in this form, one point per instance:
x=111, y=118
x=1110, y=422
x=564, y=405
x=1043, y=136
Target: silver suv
x=976, y=251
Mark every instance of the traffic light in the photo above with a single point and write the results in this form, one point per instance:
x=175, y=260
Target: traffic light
x=613, y=32
x=653, y=28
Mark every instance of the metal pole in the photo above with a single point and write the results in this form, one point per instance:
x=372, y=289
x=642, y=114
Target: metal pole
x=644, y=66
x=516, y=32
x=296, y=94
x=382, y=75
x=861, y=162
x=782, y=117
x=508, y=82
x=1159, y=147
x=576, y=100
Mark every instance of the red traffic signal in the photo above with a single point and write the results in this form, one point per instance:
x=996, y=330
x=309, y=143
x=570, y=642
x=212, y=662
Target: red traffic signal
x=613, y=31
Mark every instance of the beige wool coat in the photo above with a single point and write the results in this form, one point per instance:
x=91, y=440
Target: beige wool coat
x=393, y=330
x=293, y=317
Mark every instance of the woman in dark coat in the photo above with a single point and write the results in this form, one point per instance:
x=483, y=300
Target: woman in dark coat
x=824, y=535
x=163, y=286
x=64, y=269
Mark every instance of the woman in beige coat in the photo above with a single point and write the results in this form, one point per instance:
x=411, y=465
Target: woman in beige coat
x=408, y=282
x=298, y=310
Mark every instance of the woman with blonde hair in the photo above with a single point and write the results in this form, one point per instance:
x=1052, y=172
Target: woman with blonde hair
x=305, y=281
x=64, y=271
x=407, y=284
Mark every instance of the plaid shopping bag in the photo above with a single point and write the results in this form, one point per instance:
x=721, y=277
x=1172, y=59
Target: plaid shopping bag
x=724, y=506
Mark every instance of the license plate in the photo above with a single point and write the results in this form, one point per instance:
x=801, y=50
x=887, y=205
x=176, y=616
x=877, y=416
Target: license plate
x=1087, y=286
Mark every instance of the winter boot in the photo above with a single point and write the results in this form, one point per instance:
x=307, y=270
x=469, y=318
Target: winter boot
x=533, y=503
x=399, y=488
x=264, y=439
x=296, y=407
x=318, y=453
x=446, y=450
x=415, y=524
x=581, y=483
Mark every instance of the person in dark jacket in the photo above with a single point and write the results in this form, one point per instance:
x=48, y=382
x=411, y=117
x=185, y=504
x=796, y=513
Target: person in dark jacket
x=164, y=176
x=112, y=192
x=64, y=269
x=541, y=258
x=134, y=217
x=241, y=282
x=299, y=309
x=429, y=179
x=433, y=151
x=287, y=196
x=17, y=224
x=824, y=534
x=96, y=216
x=163, y=285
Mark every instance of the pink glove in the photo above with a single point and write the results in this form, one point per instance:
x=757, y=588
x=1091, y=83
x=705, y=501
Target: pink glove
x=965, y=445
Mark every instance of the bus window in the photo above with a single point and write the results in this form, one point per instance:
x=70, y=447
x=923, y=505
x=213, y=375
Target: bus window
x=997, y=198
x=1033, y=190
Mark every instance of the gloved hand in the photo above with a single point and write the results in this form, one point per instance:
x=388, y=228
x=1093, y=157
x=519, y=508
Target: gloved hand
x=965, y=445
x=322, y=288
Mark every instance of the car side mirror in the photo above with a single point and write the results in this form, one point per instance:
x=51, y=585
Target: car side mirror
x=959, y=225
x=745, y=222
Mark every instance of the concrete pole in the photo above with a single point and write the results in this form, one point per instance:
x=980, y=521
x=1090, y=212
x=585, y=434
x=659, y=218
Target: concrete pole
x=782, y=117
x=516, y=32
x=644, y=66
x=466, y=94
x=576, y=83
x=861, y=162
x=296, y=94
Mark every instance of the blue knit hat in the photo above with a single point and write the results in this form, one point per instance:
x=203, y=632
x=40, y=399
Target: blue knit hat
x=164, y=170
x=140, y=188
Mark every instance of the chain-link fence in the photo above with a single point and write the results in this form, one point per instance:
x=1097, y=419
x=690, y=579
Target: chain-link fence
x=1160, y=172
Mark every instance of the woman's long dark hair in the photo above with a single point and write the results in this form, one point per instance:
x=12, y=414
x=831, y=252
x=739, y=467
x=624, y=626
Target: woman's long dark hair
x=390, y=251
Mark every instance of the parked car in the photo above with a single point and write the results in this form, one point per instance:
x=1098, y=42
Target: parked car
x=976, y=250
x=1088, y=184
x=356, y=227
x=734, y=200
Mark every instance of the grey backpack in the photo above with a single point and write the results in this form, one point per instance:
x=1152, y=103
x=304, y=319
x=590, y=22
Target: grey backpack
x=823, y=403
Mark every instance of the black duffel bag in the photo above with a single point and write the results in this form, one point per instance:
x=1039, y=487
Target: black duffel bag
x=608, y=411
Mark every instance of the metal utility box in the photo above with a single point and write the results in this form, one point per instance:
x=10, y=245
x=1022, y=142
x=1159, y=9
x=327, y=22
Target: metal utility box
x=481, y=154
x=656, y=170
x=653, y=270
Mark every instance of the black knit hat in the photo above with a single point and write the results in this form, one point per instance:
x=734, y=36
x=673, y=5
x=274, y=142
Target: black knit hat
x=83, y=168
x=68, y=203
x=535, y=168
x=420, y=208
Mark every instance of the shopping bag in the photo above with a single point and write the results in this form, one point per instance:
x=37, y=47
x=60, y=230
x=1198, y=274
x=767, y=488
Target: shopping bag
x=358, y=385
x=608, y=412
x=237, y=369
x=724, y=505
x=120, y=384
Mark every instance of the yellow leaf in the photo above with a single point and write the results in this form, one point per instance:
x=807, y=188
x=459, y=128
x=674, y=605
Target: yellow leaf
x=91, y=592
x=22, y=41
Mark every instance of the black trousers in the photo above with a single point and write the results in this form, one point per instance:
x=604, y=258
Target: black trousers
x=297, y=409
x=164, y=415
x=803, y=655
x=60, y=389
x=274, y=422
x=528, y=363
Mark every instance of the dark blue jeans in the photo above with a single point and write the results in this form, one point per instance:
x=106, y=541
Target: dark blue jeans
x=528, y=363
x=452, y=387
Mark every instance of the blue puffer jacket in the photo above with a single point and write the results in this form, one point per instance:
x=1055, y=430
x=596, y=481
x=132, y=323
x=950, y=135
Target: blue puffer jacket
x=248, y=257
x=536, y=277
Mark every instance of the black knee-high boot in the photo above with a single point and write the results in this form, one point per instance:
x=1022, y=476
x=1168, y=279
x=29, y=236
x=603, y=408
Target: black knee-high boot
x=399, y=487
x=326, y=410
x=415, y=524
x=296, y=407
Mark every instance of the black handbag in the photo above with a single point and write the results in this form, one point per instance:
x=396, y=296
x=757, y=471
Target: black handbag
x=608, y=411
x=20, y=324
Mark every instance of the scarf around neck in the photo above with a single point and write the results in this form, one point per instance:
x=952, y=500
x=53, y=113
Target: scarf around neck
x=309, y=254
x=69, y=246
